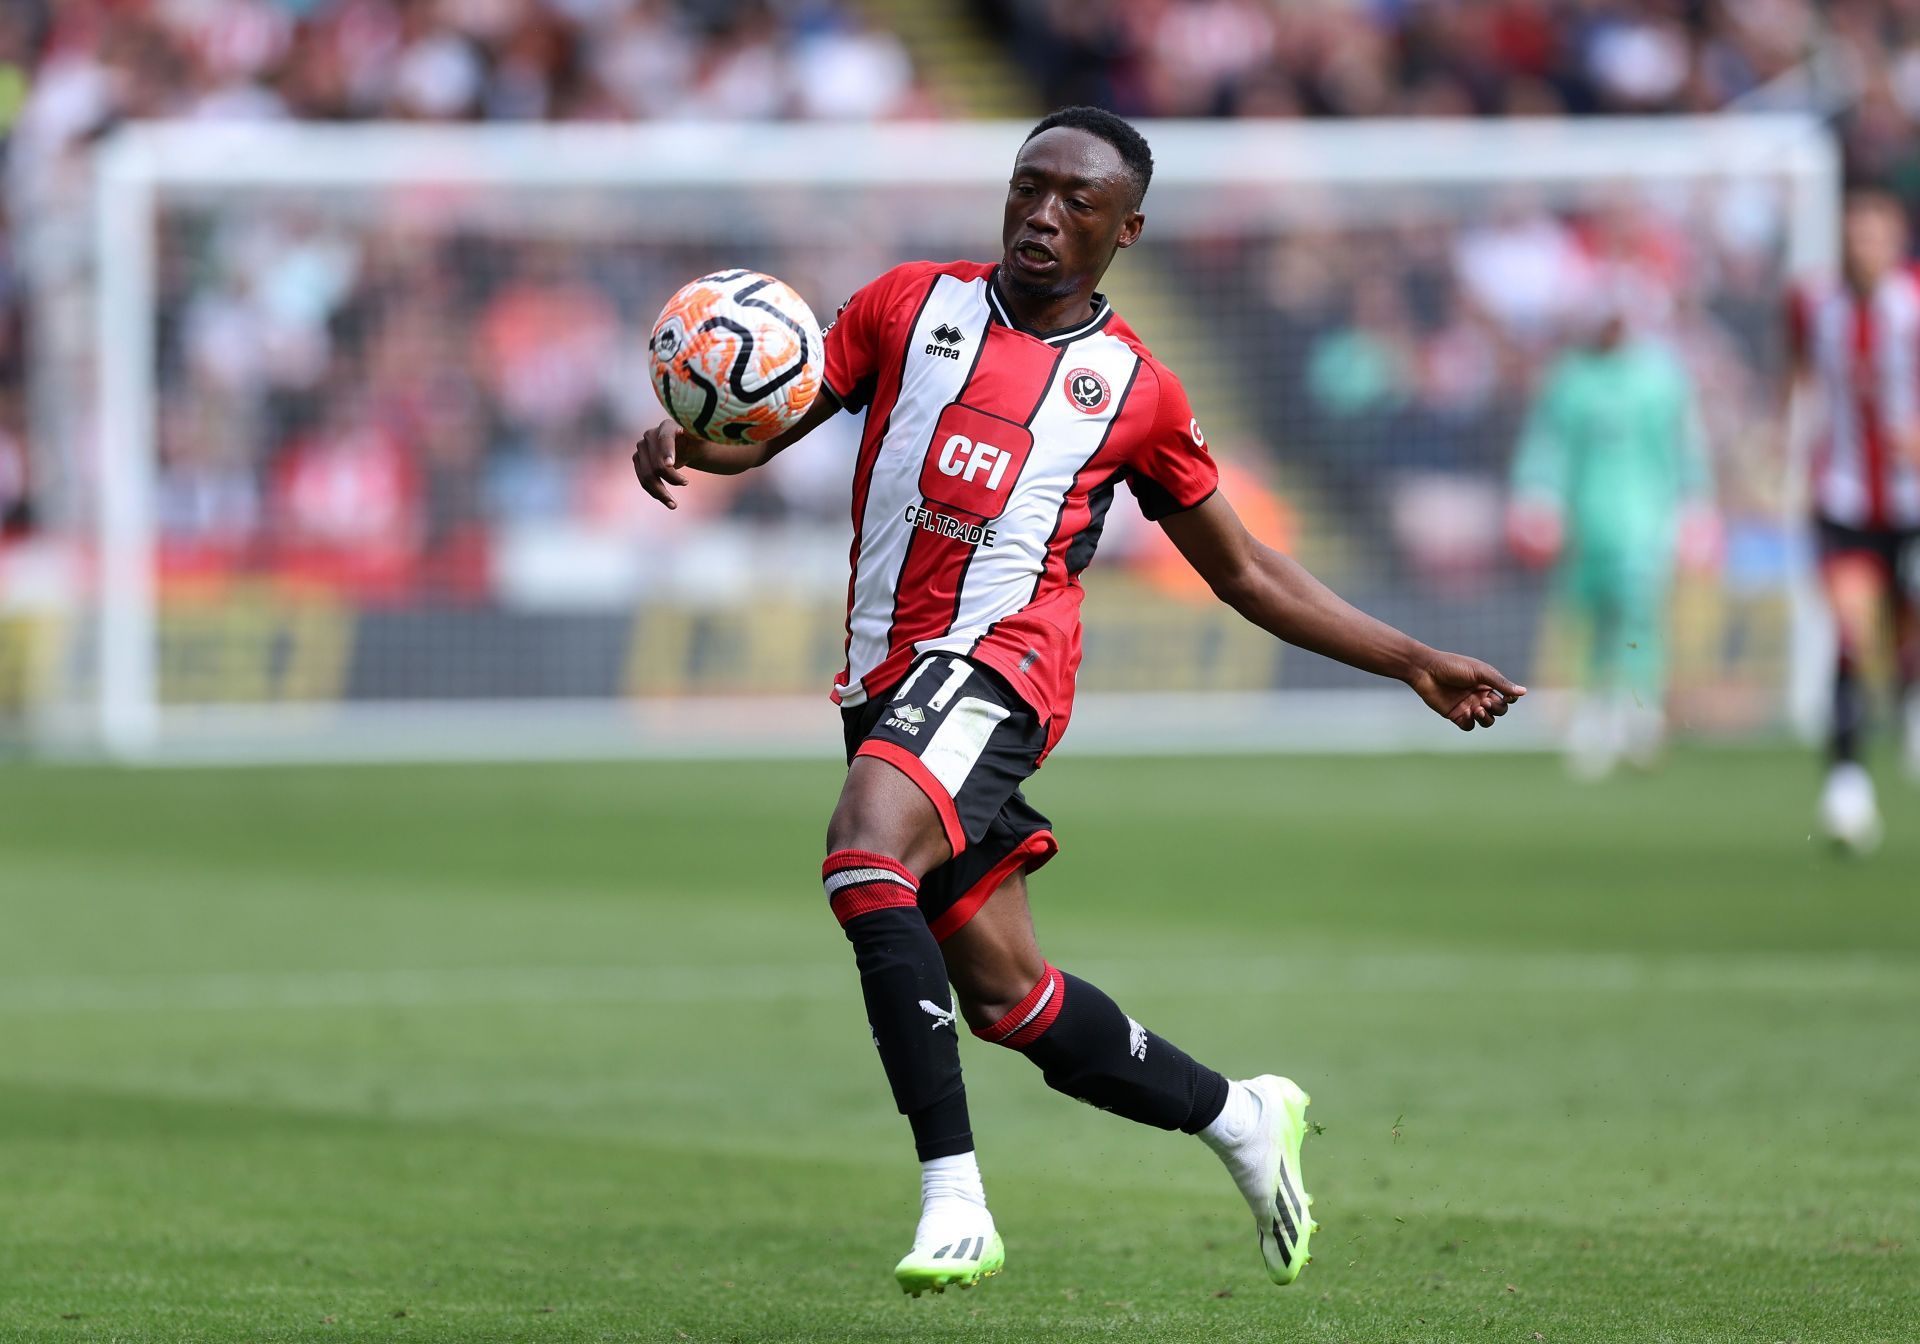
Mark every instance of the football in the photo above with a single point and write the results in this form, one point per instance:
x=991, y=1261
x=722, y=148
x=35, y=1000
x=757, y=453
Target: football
x=736, y=357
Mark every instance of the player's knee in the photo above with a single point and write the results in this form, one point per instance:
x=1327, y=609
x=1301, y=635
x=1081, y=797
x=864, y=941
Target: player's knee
x=988, y=995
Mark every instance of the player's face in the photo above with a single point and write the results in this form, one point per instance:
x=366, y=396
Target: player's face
x=1875, y=238
x=1070, y=206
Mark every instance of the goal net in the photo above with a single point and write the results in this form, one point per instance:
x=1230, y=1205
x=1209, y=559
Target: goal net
x=346, y=418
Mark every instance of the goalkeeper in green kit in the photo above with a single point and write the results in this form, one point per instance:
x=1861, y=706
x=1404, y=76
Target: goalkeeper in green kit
x=1612, y=478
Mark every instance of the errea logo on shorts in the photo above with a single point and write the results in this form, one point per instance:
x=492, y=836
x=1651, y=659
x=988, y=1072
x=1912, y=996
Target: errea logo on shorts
x=907, y=719
x=973, y=462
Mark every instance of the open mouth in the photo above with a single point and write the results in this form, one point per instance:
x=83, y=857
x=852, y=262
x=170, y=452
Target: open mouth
x=1033, y=256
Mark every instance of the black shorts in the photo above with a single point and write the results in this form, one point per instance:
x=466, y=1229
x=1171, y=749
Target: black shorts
x=958, y=731
x=1896, y=548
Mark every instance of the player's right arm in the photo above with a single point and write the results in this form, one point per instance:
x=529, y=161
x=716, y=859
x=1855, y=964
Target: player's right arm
x=1178, y=487
x=666, y=451
x=1276, y=593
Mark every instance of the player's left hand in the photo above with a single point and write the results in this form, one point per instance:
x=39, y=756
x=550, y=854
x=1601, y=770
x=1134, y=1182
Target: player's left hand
x=658, y=460
x=1464, y=691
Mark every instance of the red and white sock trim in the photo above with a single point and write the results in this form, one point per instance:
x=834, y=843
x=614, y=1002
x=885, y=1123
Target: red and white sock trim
x=859, y=882
x=1030, y=1017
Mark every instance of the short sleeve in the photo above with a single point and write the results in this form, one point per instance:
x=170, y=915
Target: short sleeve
x=853, y=343
x=1170, y=470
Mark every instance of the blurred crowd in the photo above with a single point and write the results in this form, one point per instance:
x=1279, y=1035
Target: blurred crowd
x=369, y=405
x=71, y=69
x=1373, y=58
x=379, y=395
x=1396, y=355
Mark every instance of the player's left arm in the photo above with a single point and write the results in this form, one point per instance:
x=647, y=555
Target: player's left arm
x=1277, y=594
x=666, y=452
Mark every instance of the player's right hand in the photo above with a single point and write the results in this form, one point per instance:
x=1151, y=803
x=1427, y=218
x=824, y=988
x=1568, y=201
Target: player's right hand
x=657, y=462
x=1464, y=691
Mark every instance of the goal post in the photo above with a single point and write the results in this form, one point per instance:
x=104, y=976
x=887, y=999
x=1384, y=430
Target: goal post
x=364, y=394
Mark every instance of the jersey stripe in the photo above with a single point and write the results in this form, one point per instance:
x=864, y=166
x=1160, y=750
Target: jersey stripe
x=1074, y=501
x=879, y=421
x=1076, y=508
x=931, y=564
x=1004, y=579
x=1865, y=354
x=1865, y=370
x=887, y=537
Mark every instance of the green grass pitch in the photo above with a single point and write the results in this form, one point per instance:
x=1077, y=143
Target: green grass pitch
x=576, y=1053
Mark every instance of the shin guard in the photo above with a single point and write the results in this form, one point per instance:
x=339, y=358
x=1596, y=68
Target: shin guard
x=909, y=1006
x=1087, y=1048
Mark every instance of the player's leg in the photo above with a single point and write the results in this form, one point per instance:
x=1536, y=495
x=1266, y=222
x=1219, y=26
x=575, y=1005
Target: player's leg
x=932, y=762
x=1646, y=589
x=1855, y=580
x=1081, y=1041
x=1088, y=1048
x=885, y=836
x=1593, y=733
x=1904, y=594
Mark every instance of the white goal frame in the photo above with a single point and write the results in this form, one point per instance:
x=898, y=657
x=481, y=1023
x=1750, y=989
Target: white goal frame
x=139, y=161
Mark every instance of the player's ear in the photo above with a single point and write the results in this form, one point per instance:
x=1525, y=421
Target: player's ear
x=1130, y=229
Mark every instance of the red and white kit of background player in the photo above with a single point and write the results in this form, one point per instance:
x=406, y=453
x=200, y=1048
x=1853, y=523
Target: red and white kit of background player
x=1005, y=403
x=1856, y=346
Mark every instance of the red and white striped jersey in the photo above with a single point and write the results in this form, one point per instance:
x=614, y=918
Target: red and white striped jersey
x=1865, y=357
x=989, y=459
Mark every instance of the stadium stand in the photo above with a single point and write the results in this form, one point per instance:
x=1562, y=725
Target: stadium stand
x=69, y=72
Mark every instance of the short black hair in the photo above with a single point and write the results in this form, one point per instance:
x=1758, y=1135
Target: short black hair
x=1116, y=131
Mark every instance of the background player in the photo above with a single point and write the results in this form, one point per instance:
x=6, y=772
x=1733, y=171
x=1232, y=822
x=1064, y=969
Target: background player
x=1612, y=462
x=1005, y=402
x=1856, y=346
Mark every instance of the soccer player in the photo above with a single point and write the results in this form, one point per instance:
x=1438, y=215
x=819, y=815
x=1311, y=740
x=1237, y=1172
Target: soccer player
x=1006, y=401
x=1856, y=345
x=1612, y=464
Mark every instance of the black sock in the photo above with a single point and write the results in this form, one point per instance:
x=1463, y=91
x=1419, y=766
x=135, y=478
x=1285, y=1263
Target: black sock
x=1087, y=1048
x=1849, y=712
x=909, y=1006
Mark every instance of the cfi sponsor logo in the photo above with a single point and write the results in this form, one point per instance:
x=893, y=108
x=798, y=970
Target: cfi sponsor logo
x=1088, y=390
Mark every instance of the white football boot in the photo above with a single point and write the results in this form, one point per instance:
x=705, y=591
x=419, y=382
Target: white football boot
x=1258, y=1136
x=1849, y=811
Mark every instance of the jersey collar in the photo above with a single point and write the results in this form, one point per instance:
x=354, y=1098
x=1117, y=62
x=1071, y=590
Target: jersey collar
x=1102, y=310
